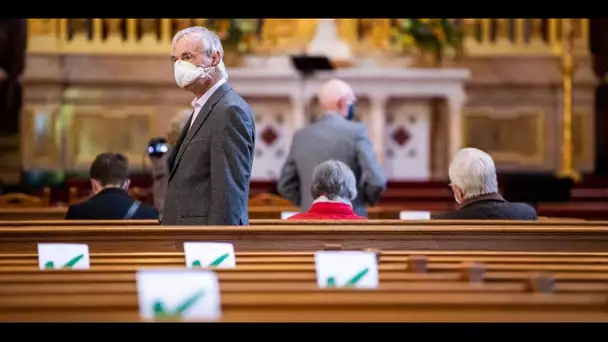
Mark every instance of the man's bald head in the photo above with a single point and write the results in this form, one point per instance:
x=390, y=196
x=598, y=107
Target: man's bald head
x=336, y=96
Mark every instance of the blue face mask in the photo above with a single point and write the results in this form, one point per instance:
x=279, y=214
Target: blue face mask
x=351, y=112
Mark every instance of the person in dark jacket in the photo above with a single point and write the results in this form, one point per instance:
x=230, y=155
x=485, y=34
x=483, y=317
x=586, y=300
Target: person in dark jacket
x=111, y=201
x=474, y=183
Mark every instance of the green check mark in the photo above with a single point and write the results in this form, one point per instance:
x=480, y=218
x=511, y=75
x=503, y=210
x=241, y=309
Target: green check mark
x=161, y=311
x=331, y=281
x=51, y=265
x=215, y=263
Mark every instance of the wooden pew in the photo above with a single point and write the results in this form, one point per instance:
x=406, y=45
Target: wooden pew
x=13, y=201
x=323, y=305
x=541, y=236
x=274, y=261
x=288, y=296
x=595, y=211
x=392, y=263
x=261, y=212
x=79, y=296
x=277, y=291
x=543, y=221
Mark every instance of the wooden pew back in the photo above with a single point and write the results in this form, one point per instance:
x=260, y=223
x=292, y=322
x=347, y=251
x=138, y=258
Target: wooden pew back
x=481, y=235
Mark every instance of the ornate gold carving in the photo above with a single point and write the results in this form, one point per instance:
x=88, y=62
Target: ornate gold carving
x=149, y=31
x=347, y=30
x=278, y=33
x=41, y=27
x=113, y=27
x=292, y=35
x=79, y=29
x=509, y=135
x=148, y=26
x=42, y=35
x=376, y=33
x=114, y=31
x=181, y=24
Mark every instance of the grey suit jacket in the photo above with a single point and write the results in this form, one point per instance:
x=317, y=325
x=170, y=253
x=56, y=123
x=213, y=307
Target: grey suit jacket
x=210, y=165
x=332, y=137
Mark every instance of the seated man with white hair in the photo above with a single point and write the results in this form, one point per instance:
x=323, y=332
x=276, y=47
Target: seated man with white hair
x=333, y=188
x=474, y=183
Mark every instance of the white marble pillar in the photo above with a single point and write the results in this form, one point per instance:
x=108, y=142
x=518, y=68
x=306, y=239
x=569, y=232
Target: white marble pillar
x=377, y=122
x=455, y=102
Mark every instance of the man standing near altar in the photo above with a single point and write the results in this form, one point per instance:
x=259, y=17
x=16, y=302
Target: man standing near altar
x=210, y=164
x=333, y=136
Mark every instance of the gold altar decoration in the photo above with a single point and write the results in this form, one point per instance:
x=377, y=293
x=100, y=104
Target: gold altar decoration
x=238, y=37
x=152, y=36
x=568, y=66
x=430, y=39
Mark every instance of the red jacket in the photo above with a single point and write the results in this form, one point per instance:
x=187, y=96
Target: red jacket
x=328, y=211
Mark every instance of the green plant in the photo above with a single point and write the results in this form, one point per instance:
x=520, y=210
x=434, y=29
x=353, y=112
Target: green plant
x=434, y=36
x=237, y=35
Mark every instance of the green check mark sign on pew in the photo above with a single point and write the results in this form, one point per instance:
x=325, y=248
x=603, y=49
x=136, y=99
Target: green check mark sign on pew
x=331, y=281
x=50, y=265
x=346, y=269
x=53, y=256
x=215, y=263
x=178, y=294
x=209, y=255
x=162, y=312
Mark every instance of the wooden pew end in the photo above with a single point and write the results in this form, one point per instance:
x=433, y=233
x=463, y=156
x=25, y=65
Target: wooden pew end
x=473, y=272
x=541, y=283
x=418, y=263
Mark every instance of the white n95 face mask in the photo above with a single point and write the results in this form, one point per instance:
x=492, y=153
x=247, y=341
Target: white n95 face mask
x=187, y=73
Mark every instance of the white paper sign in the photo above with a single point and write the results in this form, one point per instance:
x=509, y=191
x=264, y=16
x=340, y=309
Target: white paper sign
x=346, y=269
x=209, y=255
x=178, y=294
x=287, y=214
x=415, y=215
x=54, y=256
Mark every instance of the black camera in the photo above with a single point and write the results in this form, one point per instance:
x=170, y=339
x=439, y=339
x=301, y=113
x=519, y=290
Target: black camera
x=157, y=147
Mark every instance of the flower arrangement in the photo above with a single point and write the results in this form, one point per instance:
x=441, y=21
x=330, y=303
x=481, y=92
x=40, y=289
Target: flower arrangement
x=237, y=35
x=430, y=36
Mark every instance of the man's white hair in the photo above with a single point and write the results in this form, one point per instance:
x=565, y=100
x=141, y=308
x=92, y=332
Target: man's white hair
x=335, y=180
x=209, y=42
x=474, y=172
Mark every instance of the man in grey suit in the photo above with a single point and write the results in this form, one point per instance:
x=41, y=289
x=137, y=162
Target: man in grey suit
x=210, y=164
x=333, y=136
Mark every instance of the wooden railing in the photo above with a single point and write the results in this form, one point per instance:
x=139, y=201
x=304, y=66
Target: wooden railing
x=153, y=36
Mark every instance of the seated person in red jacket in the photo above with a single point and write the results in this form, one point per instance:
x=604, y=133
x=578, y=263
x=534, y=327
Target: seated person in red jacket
x=333, y=188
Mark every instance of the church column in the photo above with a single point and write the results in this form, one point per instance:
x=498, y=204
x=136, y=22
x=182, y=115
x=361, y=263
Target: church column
x=455, y=103
x=377, y=122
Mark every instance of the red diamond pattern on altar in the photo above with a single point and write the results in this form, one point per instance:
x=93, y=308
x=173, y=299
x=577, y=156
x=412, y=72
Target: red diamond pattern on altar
x=401, y=135
x=269, y=136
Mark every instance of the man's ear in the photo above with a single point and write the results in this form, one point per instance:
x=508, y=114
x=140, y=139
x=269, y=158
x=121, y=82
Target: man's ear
x=127, y=184
x=96, y=186
x=216, y=59
x=458, y=192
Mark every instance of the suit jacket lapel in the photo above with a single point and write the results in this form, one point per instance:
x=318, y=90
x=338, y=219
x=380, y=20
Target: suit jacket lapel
x=198, y=122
